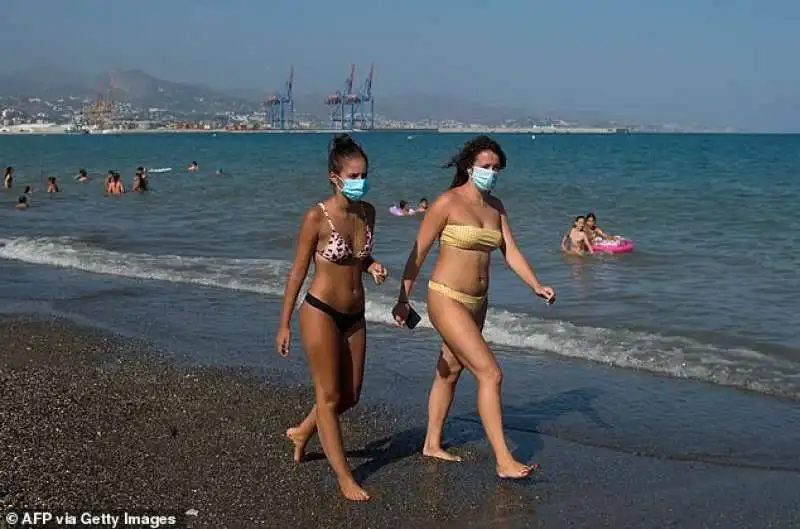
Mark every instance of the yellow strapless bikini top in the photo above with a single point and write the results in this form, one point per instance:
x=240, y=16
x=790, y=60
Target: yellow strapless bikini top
x=469, y=237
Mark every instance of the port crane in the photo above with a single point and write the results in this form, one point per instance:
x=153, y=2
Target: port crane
x=279, y=107
x=336, y=101
x=362, y=105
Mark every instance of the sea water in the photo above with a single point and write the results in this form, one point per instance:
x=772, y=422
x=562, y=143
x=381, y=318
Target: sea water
x=198, y=264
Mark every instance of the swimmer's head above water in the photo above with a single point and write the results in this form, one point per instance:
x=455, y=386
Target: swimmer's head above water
x=480, y=161
x=580, y=222
x=347, y=168
x=591, y=220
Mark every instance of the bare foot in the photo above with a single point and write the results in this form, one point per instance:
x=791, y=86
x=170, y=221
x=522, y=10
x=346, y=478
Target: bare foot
x=439, y=453
x=516, y=470
x=352, y=491
x=300, y=441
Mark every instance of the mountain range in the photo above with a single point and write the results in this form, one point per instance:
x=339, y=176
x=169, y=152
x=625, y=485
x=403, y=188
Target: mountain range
x=145, y=91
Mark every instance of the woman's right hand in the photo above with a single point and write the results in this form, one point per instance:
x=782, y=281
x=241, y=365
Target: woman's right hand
x=282, y=341
x=400, y=313
x=546, y=293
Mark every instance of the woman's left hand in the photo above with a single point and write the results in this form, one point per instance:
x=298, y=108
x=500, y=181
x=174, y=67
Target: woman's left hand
x=547, y=293
x=378, y=272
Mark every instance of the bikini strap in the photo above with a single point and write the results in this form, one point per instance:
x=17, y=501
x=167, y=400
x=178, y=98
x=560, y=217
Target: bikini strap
x=325, y=212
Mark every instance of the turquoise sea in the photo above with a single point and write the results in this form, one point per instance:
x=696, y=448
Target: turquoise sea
x=682, y=347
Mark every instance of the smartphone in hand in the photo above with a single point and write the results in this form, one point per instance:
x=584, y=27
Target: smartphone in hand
x=413, y=318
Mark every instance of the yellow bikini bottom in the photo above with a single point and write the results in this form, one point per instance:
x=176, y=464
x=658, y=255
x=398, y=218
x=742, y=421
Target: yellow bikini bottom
x=473, y=303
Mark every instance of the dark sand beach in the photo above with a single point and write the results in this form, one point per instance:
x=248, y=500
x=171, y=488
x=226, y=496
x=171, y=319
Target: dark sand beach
x=89, y=420
x=93, y=421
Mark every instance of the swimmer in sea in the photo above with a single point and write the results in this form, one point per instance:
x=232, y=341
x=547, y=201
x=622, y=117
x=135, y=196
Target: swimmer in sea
x=193, y=167
x=8, y=178
x=51, y=185
x=593, y=231
x=423, y=206
x=82, y=176
x=139, y=181
x=107, y=183
x=338, y=236
x=115, y=187
x=22, y=202
x=405, y=207
x=27, y=190
x=575, y=241
x=469, y=222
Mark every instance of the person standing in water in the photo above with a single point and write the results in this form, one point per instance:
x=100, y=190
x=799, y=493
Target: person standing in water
x=52, y=187
x=470, y=223
x=338, y=236
x=8, y=178
x=115, y=186
x=593, y=230
x=140, y=180
x=576, y=241
x=107, y=183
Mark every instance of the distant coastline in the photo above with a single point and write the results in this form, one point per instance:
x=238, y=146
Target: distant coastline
x=42, y=129
x=47, y=129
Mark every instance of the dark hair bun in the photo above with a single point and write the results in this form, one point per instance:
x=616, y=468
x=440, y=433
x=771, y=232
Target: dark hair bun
x=343, y=146
x=342, y=140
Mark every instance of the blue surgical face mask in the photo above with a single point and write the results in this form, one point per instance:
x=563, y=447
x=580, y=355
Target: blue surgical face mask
x=485, y=179
x=354, y=189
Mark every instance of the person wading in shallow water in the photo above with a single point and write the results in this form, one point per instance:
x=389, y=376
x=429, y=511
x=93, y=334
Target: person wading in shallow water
x=575, y=241
x=469, y=223
x=8, y=178
x=338, y=235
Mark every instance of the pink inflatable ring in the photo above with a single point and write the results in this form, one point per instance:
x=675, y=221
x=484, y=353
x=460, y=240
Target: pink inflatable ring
x=614, y=246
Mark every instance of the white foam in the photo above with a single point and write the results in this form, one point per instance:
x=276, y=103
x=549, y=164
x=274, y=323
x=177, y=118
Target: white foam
x=674, y=356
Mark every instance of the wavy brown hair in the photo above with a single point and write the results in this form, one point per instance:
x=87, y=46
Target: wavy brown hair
x=465, y=158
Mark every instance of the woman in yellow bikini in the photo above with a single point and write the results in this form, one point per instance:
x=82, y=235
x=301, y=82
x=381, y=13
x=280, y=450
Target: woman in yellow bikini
x=470, y=223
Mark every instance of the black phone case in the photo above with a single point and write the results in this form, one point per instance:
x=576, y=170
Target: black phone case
x=413, y=318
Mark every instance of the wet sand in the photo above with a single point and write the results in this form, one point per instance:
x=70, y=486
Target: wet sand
x=89, y=419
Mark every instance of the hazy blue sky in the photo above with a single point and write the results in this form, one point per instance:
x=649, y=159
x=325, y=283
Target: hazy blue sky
x=714, y=61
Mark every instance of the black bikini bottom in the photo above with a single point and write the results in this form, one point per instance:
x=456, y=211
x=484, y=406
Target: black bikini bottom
x=343, y=321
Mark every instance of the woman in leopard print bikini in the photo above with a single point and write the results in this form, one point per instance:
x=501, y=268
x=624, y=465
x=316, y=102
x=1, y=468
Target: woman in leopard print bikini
x=337, y=235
